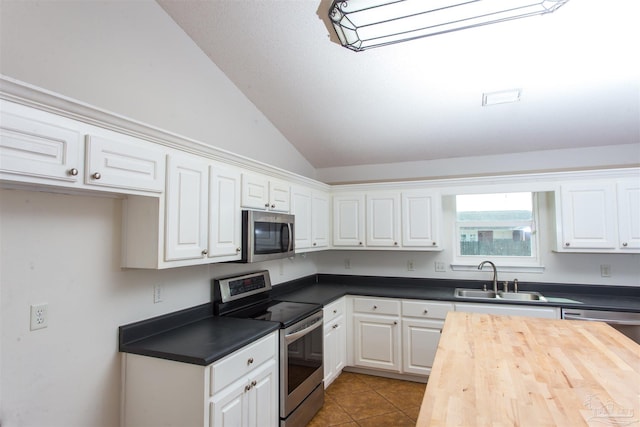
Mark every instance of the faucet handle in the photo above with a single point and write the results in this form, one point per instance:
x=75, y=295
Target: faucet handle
x=515, y=285
x=505, y=286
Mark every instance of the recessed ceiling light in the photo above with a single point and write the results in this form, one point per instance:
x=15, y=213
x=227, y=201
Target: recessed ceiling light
x=501, y=97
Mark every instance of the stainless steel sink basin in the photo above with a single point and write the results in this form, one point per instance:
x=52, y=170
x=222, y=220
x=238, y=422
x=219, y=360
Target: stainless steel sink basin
x=474, y=293
x=522, y=296
x=490, y=295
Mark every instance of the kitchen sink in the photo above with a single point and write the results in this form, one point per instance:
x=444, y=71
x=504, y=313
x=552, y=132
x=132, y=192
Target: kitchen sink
x=522, y=296
x=474, y=293
x=490, y=295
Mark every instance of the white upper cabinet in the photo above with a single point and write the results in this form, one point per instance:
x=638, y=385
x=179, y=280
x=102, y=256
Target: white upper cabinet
x=599, y=216
x=383, y=219
x=420, y=219
x=629, y=214
x=124, y=163
x=320, y=224
x=186, y=207
x=38, y=147
x=311, y=209
x=301, y=199
x=225, y=227
x=263, y=193
x=348, y=220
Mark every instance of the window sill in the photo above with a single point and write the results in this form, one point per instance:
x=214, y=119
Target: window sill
x=501, y=268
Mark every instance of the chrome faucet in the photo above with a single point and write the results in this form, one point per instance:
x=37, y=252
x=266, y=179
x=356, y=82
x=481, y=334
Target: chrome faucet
x=495, y=274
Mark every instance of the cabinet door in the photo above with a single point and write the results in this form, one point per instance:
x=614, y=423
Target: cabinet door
x=279, y=196
x=229, y=407
x=225, y=227
x=301, y=202
x=383, y=219
x=335, y=354
x=186, y=208
x=588, y=216
x=263, y=397
x=420, y=219
x=629, y=214
x=377, y=342
x=419, y=344
x=348, y=220
x=125, y=163
x=255, y=191
x=36, y=146
x=319, y=220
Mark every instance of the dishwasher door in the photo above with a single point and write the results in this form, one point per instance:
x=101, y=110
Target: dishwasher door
x=625, y=322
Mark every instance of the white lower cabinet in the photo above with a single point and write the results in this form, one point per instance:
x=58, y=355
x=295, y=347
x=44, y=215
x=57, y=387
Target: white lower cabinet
x=422, y=323
x=335, y=340
x=376, y=333
x=510, y=310
x=241, y=389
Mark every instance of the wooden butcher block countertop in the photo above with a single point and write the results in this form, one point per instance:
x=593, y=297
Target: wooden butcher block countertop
x=520, y=371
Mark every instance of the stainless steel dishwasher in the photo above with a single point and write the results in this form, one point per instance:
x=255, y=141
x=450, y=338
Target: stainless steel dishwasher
x=626, y=322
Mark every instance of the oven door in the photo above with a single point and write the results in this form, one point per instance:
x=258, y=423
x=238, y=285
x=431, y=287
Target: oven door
x=301, y=367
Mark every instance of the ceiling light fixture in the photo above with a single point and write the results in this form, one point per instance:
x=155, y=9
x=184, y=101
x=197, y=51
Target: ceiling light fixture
x=501, y=97
x=363, y=24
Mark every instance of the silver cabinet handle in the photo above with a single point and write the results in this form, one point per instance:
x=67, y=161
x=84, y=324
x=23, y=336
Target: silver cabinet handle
x=250, y=361
x=360, y=243
x=375, y=307
x=204, y=252
x=238, y=250
x=335, y=326
x=624, y=244
x=335, y=311
x=96, y=175
x=73, y=172
x=567, y=244
x=273, y=206
x=395, y=243
x=395, y=322
x=254, y=383
x=266, y=205
x=314, y=243
x=425, y=311
x=434, y=243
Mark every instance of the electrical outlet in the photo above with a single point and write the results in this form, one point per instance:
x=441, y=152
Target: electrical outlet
x=410, y=265
x=158, y=293
x=605, y=270
x=440, y=266
x=347, y=263
x=39, y=316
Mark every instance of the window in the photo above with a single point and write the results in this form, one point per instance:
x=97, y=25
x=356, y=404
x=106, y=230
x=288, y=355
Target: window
x=499, y=227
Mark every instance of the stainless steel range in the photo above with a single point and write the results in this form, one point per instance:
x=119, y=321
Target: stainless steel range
x=301, y=351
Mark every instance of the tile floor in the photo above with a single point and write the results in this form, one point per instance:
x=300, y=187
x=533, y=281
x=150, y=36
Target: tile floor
x=357, y=400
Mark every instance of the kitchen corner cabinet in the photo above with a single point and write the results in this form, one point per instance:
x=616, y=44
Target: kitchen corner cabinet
x=42, y=148
x=335, y=340
x=263, y=193
x=239, y=390
x=311, y=209
x=376, y=333
x=422, y=323
x=599, y=217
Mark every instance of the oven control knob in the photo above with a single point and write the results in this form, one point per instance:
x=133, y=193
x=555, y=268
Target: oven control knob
x=250, y=361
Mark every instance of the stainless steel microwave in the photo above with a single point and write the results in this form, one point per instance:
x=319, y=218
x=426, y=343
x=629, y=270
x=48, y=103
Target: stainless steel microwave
x=267, y=236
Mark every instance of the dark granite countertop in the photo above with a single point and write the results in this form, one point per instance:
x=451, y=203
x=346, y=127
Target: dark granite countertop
x=193, y=336
x=196, y=336
x=323, y=289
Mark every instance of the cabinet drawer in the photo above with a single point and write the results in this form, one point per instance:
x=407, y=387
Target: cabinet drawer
x=426, y=309
x=243, y=361
x=333, y=310
x=376, y=306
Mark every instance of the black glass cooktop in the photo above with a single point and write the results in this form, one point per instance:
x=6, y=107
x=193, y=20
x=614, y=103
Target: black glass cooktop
x=285, y=312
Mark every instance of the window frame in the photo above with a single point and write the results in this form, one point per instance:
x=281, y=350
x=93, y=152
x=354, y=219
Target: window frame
x=503, y=263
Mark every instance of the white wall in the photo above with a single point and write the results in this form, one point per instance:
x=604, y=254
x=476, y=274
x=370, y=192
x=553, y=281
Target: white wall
x=64, y=250
x=539, y=161
x=129, y=57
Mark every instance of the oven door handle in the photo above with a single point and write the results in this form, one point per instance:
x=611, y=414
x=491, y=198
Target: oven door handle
x=289, y=338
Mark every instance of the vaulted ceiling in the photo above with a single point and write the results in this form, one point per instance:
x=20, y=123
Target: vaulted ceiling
x=578, y=70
